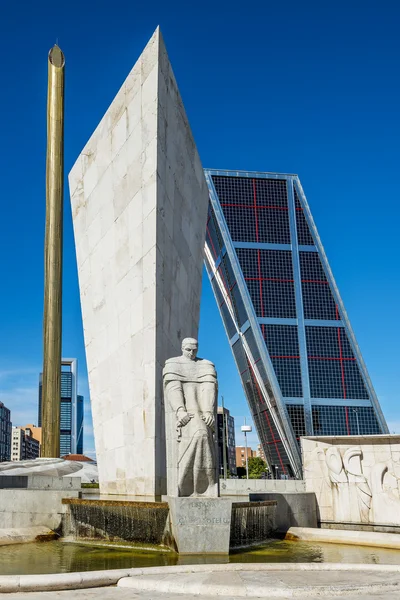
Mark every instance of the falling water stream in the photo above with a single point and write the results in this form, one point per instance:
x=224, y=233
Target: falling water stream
x=143, y=522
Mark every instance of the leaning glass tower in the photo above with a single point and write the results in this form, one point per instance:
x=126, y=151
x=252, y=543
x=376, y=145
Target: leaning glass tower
x=292, y=341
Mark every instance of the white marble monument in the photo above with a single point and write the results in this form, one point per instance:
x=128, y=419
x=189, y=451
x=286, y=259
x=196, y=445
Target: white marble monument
x=139, y=204
x=356, y=479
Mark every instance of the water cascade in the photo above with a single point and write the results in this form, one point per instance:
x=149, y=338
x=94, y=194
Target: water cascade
x=252, y=523
x=148, y=522
x=113, y=520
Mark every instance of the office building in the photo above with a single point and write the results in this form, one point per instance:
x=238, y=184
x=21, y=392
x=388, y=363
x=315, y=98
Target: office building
x=240, y=455
x=260, y=452
x=32, y=445
x=224, y=418
x=71, y=421
x=35, y=432
x=24, y=445
x=18, y=444
x=79, y=426
x=5, y=433
x=300, y=365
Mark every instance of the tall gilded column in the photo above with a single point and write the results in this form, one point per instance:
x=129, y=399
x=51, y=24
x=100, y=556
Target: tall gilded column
x=51, y=389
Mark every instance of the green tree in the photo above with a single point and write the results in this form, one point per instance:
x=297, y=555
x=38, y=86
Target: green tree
x=257, y=466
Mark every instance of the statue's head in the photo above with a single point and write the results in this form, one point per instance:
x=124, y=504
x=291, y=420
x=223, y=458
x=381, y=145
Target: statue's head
x=190, y=347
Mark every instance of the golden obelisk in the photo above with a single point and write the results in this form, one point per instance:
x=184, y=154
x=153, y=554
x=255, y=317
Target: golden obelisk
x=51, y=387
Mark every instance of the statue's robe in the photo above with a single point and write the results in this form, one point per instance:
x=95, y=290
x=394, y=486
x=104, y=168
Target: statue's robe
x=191, y=385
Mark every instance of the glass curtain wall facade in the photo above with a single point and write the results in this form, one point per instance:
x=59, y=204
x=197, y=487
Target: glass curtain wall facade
x=225, y=418
x=296, y=353
x=79, y=428
x=71, y=418
x=5, y=433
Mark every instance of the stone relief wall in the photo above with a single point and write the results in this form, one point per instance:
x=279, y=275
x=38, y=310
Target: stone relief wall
x=356, y=479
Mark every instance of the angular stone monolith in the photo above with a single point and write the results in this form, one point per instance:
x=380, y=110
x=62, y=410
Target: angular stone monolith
x=139, y=203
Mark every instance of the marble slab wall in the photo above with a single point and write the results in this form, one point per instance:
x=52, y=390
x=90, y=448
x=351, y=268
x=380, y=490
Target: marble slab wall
x=139, y=204
x=356, y=479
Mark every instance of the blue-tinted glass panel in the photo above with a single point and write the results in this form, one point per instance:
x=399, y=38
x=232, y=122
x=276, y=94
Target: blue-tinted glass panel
x=333, y=368
x=283, y=347
x=234, y=293
x=345, y=420
x=213, y=236
x=318, y=300
x=255, y=210
x=304, y=236
x=296, y=415
x=66, y=385
x=269, y=278
x=223, y=308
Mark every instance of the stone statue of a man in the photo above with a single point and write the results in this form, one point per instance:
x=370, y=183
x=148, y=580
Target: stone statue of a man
x=190, y=390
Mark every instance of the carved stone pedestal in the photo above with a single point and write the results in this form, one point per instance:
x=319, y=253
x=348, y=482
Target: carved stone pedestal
x=201, y=525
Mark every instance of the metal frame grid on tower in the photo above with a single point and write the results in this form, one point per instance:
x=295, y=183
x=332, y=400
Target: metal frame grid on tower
x=300, y=365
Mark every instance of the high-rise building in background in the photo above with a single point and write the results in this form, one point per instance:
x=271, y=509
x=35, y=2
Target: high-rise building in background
x=224, y=418
x=260, y=452
x=71, y=423
x=17, y=444
x=79, y=427
x=24, y=445
x=5, y=433
x=296, y=353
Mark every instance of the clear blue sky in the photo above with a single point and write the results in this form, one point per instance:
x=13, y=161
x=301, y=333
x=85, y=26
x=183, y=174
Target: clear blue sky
x=305, y=87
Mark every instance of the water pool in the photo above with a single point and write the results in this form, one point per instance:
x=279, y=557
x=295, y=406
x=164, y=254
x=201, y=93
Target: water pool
x=64, y=557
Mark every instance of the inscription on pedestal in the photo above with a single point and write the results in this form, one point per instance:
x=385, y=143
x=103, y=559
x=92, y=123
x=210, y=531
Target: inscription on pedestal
x=196, y=518
x=201, y=525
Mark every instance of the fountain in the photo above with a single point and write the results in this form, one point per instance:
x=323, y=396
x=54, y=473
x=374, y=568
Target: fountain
x=117, y=521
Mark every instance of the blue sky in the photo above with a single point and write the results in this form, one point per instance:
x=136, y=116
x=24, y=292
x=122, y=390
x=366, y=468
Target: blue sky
x=302, y=87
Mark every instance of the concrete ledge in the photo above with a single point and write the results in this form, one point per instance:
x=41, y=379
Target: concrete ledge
x=61, y=581
x=347, y=525
x=21, y=507
x=39, y=482
x=112, y=502
x=244, y=487
x=24, y=535
x=95, y=579
x=342, y=536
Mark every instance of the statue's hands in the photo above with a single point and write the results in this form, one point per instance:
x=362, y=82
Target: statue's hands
x=208, y=419
x=184, y=418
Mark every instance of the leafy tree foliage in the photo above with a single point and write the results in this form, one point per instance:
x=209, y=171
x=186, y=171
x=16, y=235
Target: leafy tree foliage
x=257, y=466
x=257, y=469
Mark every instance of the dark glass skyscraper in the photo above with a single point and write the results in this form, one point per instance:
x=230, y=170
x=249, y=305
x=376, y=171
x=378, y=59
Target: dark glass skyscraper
x=79, y=428
x=297, y=355
x=227, y=422
x=71, y=421
x=5, y=433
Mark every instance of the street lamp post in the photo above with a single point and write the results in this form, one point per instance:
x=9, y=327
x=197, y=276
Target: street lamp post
x=246, y=429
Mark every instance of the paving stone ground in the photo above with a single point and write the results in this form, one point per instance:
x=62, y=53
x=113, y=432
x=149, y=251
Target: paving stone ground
x=114, y=593
x=233, y=585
